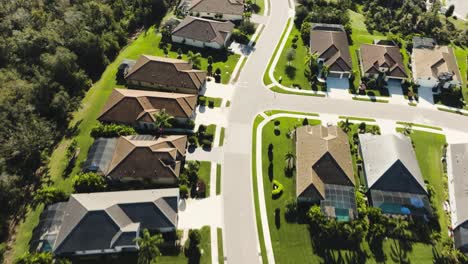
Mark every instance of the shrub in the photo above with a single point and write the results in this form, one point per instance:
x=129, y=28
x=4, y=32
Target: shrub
x=89, y=182
x=49, y=195
x=192, y=139
x=239, y=37
x=290, y=212
x=207, y=142
x=277, y=189
x=71, y=150
x=183, y=190
x=247, y=27
x=194, y=236
x=202, y=100
x=112, y=130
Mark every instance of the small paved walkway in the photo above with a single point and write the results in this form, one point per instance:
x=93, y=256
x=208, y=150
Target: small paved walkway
x=213, y=155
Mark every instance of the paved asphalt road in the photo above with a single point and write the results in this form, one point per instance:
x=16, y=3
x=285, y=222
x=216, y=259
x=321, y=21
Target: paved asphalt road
x=250, y=98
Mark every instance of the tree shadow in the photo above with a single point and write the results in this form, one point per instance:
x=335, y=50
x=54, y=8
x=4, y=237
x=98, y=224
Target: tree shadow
x=270, y=171
x=73, y=130
x=399, y=251
x=270, y=152
x=278, y=218
x=290, y=71
x=376, y=247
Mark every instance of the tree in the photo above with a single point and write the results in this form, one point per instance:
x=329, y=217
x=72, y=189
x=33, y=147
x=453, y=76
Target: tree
x=210, y=60
x=316, y=217
x=179, y=53
x=408, y=129
x=449, y=11
x=149, y=247
x=290, y=55
x=346, y=125
x=40, y=258
x=49, y=195
x=162, y=119
x=192, y=167
x=89, y=182
x=362, y=127
x=325, y=71
x=290, y=160
x=195, y=59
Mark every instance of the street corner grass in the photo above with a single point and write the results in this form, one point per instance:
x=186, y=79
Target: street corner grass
x=418, y=125
x=204, y=173
x=218, y=179
x=274, y=112
x=280, y=90
x=291, y=241
x=371, y=100
x=292, y=73
x=205, y=245
x=211, y=102
x=220, y=245
x=266, y=75
x=357, y=118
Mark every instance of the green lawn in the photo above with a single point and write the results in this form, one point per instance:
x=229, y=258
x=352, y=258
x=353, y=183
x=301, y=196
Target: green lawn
x=280, y=90
x=292, y=74
x=266, y=77
x=274, y=112
x=85, y=119
x=205, y=245
x=461, y=56
x=213, y=101
x=221, y=137
x=261, y=240
x=220, y=245
x=218, y=179
x=204, y=173
x=357, y=118
x=261, y=5
x=419, y=125
x=370, y=100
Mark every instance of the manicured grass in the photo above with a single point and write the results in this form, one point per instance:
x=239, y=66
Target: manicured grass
x=228, y=103
x=357, y=118
x=419, y=125
x=292, y=74
x=205, y=245
x=204, y=173
x=291, y=242
x=451, y=111
x=261, y=240
x=370, y=100
x=221, y=137
x=220, y=245
x=244, y=60
x=266, y=77
x=461, y=56
x=279, y=90
x=261, y=5
x=254, y=42
x=218, y=179
x=273, y=112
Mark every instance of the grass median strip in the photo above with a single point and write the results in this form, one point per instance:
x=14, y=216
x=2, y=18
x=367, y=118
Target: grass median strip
x=274, y=112
x=451, y=111
x=218, y=179
x=204, y=173
x=419, y=125
x=220, y=246
x=357, y=118
x=280, y=90
x=221, y=137
x=370, y=100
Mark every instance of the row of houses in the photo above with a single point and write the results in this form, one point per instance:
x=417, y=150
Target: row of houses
x=325, y=174
x=96, y=224
x=431, y=64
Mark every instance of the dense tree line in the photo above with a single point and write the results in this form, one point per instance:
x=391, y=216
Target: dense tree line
x=407, y=17
x=50, y=53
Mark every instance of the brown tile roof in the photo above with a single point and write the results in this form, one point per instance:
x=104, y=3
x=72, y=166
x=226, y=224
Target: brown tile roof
x=333, y=47
x=432, y=62
x=229, y=7
x=322, y=157
x=129, y=106
x=375, y=56
x=148, y=158
x=205, y=30
x=166, y=72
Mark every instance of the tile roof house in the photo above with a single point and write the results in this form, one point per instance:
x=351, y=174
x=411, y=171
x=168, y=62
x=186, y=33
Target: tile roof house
x=139, y=157
x=137, y=107
x=200, y=32
x=376, y=59
x=330, y=42
x=457, y=171
x=393, y=177
x=105, y=223
x=434, y=66
x=324, y=169
x=166, y=75
x=216, y=9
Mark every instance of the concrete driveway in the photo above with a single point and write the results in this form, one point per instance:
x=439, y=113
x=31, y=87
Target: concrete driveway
x=426, y=97
x=338, y=88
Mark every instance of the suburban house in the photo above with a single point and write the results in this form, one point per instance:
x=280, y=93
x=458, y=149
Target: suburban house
x=325, y=171
x=330, y=43
x=457, y=172
x=166, y=75
x=434, y=66
x=215, y=9
x=393, y=177
x=138, y=107
x=382, y=58
x=138, y=157
x=201, y=33
x=105, y=223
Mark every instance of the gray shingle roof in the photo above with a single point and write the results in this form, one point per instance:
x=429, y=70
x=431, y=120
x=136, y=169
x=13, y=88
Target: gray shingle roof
x=96, y=222
x=331, y=44
x=205, y=30
x=392, y=156
x=458, y=168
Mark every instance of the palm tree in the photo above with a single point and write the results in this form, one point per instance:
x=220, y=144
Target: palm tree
x=194, y=58
x=325, y=71
x=162, y=120
x=290, y=160
x=346, y=126
x=149, y=247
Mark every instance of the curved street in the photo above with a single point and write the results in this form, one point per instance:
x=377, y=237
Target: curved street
x=250, y=98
